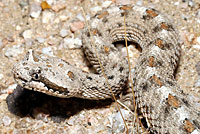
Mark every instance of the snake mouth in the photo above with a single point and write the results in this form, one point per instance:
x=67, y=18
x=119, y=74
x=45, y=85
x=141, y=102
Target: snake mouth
x=39, y=86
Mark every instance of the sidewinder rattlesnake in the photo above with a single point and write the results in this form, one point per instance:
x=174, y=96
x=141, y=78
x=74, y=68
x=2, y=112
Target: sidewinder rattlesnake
x=161, y=102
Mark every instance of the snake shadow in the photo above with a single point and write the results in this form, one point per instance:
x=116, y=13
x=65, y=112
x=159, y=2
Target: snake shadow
x=23, y=102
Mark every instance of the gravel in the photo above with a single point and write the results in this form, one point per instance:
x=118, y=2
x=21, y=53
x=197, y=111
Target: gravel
x=56, y=31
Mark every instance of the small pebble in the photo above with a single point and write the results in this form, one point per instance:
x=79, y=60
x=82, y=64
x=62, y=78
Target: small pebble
x=47, y=16
x=191, y=3
x=96, y=9
x=184, y=5
x=197, y=105
x=39, y=115
x=198, y=20
x=123, y=2
x=191, y=37
x=50, y=2
x=116, y=121
x=3, y=97
x=59, y=7
x=18, y=28
x=47, y=51
x=11, y=88
x=197, y=83
x=45, y=5
x=63, y=17
x=23, y=3
x=80, y=17
x=71, y=43
x=35, y=10
x=14, y=51
x=52, y=40
x=177, y=3
x=10, y=38
x=75, y=26
x=100, y=128
x=1, y=76
x=106, y=4
x=196, y=46
x=41, y=40
x=139, y=3
x=198, y=40
x=28, y=42
x=1, y=43
x=6, y=120
x=82, y=116
x=193, y=98
x=63, y=32
x=27, y=34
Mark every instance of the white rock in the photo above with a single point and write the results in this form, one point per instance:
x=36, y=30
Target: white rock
x=28, y=42
x=123, y=2
x=1, y=43
x=198, y=40
x=196, y=46
x=1, y=76
x=106, y=4
x=139, y=3
x=99, y=128
x=47, y=16
x=96, y=9
x=3, y=97
x=13, y=86
x=27, y=34
x=80, y=17
x=35, y=10
x=41, y=40
x=198, y=20
x=191, y=3
x=63, y=32
x=14, y=51
x=63, y=17
x=176, y=3
x=50, y=2
x=197, y=83
x=71, y=43
x=6, y=120
x=18, y=28
x=47, y=50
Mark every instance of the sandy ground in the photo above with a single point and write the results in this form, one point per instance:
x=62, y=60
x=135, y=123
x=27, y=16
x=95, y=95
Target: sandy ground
x=24, y=25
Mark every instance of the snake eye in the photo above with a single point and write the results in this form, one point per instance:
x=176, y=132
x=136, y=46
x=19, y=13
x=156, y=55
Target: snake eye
x=35, y=76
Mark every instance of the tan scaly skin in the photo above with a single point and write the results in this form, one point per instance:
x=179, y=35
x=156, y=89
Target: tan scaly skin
x=163, y=105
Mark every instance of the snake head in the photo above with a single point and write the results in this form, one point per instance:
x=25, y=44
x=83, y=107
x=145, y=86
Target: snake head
x=49, y=75
x=25, y=69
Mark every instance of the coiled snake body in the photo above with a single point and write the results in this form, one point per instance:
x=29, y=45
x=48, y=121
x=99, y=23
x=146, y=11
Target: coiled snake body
x=161, y=102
